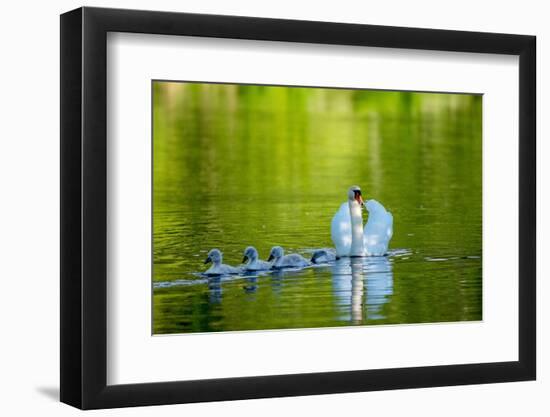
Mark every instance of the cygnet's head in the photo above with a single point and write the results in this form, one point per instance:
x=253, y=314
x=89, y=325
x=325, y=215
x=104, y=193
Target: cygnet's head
x=276, y=253
x=354, y=194
x=250, y=254
x=214, y=256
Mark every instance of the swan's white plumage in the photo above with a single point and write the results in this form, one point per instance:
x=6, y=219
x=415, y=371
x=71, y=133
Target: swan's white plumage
x=378, y=230
x=376, y=234
x=340, y=230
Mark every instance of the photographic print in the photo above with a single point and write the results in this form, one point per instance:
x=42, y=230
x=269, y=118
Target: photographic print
x=286, y=207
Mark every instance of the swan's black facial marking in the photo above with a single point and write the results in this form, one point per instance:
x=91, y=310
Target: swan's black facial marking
x=208, y=260
x=358, y=197
x=245, y=258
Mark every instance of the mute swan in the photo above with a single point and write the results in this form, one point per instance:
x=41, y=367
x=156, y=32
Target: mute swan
x=286, y=261
x=348, y=235
x=253, y=263
x=323, y=256
x=217, y=268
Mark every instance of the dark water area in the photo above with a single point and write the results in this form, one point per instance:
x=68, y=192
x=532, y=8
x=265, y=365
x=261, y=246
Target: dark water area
x=264, y=166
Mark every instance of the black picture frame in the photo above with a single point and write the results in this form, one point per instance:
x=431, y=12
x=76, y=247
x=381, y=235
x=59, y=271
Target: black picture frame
x=84, y=207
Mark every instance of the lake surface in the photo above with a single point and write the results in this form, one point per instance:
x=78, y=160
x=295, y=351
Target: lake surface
x=264, y=166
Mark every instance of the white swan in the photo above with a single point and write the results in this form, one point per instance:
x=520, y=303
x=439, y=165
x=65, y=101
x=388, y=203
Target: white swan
x=252, y=261
x=323, y=256
x=346, y=229
x=280, y=260
x=217, y=268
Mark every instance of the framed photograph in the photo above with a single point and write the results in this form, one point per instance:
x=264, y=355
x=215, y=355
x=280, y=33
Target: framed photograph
x=257, y=207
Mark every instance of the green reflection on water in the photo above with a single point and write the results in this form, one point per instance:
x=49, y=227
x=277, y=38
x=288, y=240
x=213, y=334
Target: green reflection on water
x=238, y=165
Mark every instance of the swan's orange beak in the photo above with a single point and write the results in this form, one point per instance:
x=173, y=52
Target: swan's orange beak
x=358, y=197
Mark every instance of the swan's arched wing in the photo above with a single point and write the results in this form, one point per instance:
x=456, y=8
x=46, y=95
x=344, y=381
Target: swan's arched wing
x=340, y=230
x=378, y=230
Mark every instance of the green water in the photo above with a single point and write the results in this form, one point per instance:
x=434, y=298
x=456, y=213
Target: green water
x=254, y=165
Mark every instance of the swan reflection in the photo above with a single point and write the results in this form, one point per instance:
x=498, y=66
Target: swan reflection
x=356, y=290
x=362, y=286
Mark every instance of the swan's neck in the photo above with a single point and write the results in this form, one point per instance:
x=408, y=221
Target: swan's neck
x=356, y=229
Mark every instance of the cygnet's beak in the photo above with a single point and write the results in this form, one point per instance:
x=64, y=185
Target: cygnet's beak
x=271, y=257
x=208, y=260
x=245, y=258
